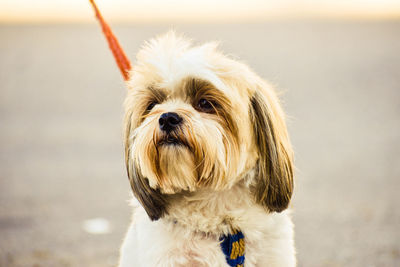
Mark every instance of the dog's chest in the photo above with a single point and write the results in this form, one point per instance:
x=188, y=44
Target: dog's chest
x=164, y=243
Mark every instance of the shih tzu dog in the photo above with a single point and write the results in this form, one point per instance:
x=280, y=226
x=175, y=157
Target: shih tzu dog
x=209, y=161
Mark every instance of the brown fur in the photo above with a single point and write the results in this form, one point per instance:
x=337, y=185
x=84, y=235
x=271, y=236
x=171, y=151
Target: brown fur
x=151, y=199
x=274, y=169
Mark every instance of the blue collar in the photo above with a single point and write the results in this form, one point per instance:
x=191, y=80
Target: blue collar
x=233, y=247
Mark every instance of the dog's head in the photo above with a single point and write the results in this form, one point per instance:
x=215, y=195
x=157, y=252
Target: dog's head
x=196, y=119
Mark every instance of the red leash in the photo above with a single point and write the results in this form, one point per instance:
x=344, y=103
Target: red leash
x=123, y=62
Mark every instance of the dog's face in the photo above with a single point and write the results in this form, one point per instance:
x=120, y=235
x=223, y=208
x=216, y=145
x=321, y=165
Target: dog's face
x=196, y=119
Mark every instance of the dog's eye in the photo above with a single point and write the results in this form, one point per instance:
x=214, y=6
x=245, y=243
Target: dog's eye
x=205, y=105
x=151, y=105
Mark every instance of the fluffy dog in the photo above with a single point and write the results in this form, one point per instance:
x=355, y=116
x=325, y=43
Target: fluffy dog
x=208, y=156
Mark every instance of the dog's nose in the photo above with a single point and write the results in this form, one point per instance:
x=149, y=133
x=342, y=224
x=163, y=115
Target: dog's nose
x=169, y=121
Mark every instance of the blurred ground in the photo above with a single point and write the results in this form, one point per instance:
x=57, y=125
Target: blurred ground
x=61, y=156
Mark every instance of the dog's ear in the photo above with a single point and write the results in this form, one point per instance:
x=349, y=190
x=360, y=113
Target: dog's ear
x=273, y=186
x=152, y=200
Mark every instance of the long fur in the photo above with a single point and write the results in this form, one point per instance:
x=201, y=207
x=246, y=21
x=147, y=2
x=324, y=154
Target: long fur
x=228, y=166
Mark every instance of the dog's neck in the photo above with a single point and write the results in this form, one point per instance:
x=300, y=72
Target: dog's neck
x=209, y=211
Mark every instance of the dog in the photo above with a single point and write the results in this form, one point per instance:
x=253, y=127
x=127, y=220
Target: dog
x=209, y=161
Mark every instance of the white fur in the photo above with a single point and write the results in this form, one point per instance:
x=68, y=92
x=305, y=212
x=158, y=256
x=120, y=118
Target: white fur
x=192, y=240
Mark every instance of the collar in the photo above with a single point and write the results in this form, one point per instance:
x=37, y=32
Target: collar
x=233, y=247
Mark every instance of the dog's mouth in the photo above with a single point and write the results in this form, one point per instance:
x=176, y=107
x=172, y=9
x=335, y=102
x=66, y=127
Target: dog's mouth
x=171, y=141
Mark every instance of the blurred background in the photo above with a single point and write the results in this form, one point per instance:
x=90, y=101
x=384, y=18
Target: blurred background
x=63, y=188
